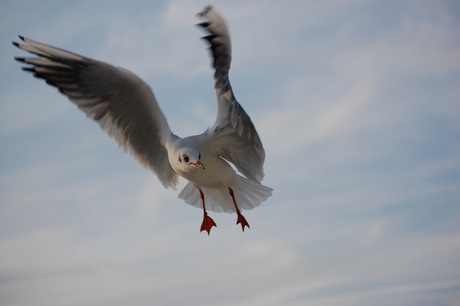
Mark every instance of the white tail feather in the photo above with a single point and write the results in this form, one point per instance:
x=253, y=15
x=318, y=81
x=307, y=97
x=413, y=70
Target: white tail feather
x=248, y=194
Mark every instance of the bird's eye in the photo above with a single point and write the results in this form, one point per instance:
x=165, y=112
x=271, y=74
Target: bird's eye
x=186, y=158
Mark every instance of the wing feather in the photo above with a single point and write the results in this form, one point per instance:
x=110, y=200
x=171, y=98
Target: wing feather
x=233, y=134
x=121, y=103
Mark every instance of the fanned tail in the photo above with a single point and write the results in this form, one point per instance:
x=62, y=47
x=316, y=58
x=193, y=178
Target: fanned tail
x=248, y=194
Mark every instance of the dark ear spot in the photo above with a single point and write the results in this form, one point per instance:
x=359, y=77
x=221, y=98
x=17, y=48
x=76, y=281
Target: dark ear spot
x=180, y=159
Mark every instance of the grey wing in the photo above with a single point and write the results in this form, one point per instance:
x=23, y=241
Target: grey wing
x=121, y=103
x=233, y=134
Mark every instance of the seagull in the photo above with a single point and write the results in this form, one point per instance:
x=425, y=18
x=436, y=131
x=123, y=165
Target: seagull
x=125, y=107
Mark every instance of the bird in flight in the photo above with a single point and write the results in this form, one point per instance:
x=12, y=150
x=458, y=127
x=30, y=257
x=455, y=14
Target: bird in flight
x=125, y=107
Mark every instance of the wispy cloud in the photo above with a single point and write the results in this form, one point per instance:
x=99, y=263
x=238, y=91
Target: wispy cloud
x=355, y=101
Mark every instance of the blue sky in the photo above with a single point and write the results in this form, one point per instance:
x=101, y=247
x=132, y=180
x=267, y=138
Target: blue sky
x=357, y=103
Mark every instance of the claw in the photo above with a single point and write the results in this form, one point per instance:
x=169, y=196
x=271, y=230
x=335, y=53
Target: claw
x=242, y=220
x=207, y=224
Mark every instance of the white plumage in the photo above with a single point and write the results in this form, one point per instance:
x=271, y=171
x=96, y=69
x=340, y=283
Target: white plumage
x=125, y=107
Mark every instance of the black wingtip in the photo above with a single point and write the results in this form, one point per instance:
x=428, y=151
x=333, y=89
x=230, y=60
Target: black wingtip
x=20, y=59
x=15, y=43
x=204, y=24
x=28, y=69
x=205, y=10
x=21, y=37
x=210, y=37
x=50, y=82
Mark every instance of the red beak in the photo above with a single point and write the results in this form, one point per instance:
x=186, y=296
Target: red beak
x=198, y=164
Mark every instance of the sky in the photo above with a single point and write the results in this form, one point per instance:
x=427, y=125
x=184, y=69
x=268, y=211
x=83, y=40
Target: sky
x=357, y=105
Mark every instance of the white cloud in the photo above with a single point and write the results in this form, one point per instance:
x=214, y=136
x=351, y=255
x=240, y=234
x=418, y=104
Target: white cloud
x=358, y=121
x=31, y=110
x=299, y=123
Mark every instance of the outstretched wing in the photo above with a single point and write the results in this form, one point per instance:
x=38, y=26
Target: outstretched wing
x=233, y=133
x=122, y=104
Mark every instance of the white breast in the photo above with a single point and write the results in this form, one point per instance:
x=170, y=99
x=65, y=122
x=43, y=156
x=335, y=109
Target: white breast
x=217, y=173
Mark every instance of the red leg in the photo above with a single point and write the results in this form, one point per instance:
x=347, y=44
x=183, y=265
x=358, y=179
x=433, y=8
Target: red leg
x=208, y=223
x=240, y=219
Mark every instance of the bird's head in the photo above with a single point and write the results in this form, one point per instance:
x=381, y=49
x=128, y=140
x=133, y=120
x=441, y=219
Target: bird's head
x=188, y=160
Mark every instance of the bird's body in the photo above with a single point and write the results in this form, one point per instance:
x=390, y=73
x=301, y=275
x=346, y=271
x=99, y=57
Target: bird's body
x=218, y=172
x=126, y=108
